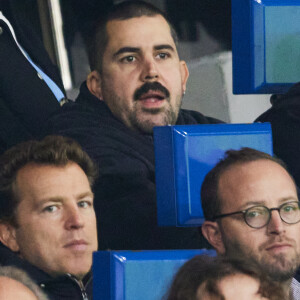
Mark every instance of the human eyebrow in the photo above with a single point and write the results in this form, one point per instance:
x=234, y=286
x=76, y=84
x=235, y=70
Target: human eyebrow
x=52, y=200
x=84, y=195
x=57, y=199
x=164, y=47
x=126, y=50
x=250, y=204
x=289, y=199
x=263, y=203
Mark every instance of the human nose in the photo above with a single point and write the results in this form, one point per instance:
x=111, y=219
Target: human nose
x=275, y=225
x=149, y=70
x=73, y=218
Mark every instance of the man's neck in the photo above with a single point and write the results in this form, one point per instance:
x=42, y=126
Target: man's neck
x=286, y=285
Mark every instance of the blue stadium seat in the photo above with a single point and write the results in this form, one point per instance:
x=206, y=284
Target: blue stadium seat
x=137, y=275
x=184, y=154
x=265, y=45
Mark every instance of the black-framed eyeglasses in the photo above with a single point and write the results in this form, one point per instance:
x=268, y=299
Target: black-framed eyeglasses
x=259, y=216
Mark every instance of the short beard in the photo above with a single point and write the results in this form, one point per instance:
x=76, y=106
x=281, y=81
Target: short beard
x=141, y=120
x=145, y=125
x=280, y=269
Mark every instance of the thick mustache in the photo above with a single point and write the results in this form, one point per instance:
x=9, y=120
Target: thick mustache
x=150, y=86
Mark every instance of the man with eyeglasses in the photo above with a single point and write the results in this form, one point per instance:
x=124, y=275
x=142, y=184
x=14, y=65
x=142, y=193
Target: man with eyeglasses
x=251, y=208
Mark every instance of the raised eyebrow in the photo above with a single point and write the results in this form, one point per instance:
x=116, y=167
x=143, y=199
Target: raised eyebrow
x=164, y=47
x=126, y=50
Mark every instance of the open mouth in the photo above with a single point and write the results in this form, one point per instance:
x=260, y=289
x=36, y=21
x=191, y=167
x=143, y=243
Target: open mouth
x=152, y=98
x=151, y=94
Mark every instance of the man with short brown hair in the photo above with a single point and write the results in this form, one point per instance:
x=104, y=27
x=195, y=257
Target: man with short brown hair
x=47, y=218
x=252, y=210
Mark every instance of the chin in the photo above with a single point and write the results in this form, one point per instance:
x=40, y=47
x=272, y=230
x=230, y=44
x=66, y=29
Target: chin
x=78, y=269
x=79, y=274
x=147, y=125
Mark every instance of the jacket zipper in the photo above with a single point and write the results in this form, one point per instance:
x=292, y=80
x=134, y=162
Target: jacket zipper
x=81, y=286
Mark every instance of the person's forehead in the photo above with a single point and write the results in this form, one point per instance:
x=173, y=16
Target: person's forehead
x=258, y=182
x=37, y=182
x=137, y=31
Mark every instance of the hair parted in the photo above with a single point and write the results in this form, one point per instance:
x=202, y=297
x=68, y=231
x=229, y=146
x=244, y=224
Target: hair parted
x=210, y=198
x=52, y=150
x=121, y=11
x=205, y=272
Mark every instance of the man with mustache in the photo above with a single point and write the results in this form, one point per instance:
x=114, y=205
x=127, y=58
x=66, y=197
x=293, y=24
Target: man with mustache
x=252, y=211
x=137, y=82
x=47, y=219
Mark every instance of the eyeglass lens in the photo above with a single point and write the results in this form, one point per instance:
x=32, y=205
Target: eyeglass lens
x=259, y=216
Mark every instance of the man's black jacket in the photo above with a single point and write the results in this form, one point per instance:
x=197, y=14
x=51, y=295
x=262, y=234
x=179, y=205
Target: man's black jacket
x=125, y=198
x=25, y=100
x=284, y=116
x=60, y=288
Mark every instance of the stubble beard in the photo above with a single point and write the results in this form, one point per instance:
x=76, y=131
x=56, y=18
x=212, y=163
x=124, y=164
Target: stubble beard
x=279, y=267
x=144, y=119
x=140, y=118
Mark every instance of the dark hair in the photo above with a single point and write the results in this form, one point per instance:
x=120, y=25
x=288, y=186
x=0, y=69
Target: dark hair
x=52, y=150
x=210, y=198
x=209, y=271
x=122, y=11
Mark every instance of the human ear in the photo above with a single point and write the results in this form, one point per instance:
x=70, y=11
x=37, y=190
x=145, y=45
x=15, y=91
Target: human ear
x=93, y=83
x=8, y=236
x=184, y=71
x=211, y=231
